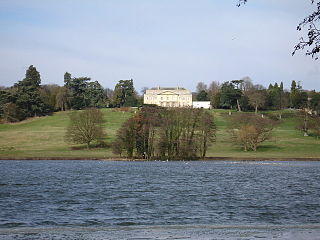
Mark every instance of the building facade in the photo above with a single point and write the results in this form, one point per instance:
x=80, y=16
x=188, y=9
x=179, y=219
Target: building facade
x=168, y=97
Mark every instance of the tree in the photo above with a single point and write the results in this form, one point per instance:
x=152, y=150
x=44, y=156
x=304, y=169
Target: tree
x=84, y=94
x=303, y=121
x=77, y=88
x=124, y=94
x=180, y=133
x=250, y=130
x=207, y=132
x=28, y=98
x=229, y=95
x=214, y=94
x=257, y=99
x=201, y=86
x=49, y=93
x=202, y=96
x=277, y=98
x=12, y=113
x=312, y=41
x=85, y=126
x=63, y=99
x=315, y=126
x=238, y=83
x=298, y=98
x=6, y=97
x=246, y=85
x=95, y=95
x=126, y=138
x=314, y=98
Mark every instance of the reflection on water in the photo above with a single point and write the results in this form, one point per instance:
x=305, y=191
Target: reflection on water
x=52, y=199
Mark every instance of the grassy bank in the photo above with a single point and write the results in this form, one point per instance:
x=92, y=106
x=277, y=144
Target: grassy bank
x=44, y=138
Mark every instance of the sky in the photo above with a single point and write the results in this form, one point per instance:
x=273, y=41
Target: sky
x=166, y=43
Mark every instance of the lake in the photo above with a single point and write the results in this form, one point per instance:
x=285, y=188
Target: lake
x=159, y=200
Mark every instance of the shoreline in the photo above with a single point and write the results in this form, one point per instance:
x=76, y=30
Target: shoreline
x=139, y=159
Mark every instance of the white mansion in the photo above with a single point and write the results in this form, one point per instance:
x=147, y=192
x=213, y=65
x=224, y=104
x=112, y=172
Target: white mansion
x=168, y=97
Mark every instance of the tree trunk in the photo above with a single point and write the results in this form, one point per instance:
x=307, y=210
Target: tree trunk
x=238, y=104
x=305, y=125
x=256, y=112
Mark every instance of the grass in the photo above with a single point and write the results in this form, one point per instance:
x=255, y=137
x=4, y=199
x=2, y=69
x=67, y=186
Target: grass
x=43, y=137
x=286, y=141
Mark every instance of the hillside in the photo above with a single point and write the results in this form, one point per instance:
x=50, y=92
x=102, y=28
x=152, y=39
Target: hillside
x=43, y=137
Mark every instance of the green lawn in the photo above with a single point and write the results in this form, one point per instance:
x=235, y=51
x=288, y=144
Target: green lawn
x=44, y=137
x=286, y=141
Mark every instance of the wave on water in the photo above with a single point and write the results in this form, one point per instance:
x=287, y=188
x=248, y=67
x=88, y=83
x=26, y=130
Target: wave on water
x=129, y=226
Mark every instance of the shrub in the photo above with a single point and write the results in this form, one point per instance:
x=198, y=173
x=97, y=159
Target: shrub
x=249, y=130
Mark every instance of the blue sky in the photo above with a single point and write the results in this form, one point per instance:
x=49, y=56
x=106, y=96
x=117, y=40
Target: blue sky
x=156, y=42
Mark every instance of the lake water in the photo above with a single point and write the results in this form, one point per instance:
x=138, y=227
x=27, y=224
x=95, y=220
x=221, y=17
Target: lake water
x=159, y=200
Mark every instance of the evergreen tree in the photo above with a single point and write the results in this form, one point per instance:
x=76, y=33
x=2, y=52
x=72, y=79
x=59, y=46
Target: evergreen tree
x=28, y=95
x=229, y=95
x=202, y=96
x=124, y=94
x=95, y=95
x=84, y=94
x=298, y=98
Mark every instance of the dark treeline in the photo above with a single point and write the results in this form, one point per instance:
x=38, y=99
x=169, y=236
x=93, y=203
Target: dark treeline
x=243, y=95
x=162, y=133
x=28, y=98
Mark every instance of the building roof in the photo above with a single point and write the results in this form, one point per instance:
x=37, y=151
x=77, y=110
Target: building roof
x=167, y=88
x=156, y=91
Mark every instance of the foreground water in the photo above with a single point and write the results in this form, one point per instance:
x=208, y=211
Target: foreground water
x=159, y=200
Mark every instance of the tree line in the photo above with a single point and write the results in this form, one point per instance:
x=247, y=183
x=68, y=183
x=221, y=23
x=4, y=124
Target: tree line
x=28, y=98
x=243, y=95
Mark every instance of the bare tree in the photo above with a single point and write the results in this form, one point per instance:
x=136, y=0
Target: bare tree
x=250, y=130
x=201, y=86
x=246, y=85
x=214, y=87
x=85, y=126
x=257, y=98
x=63, y=99
x=143, y=90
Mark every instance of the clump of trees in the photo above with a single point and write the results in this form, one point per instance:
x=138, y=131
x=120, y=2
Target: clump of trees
x=243, y=95
x=80, y=93
x=28, y=98
x=24, y=99
x=85, y=127
x=162, y=133
x=250, y=130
